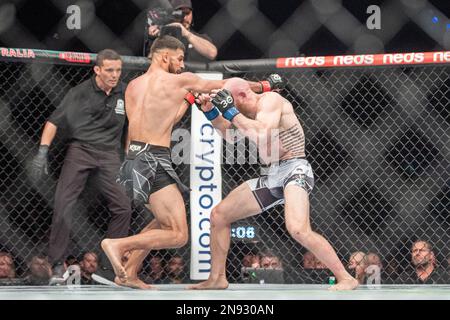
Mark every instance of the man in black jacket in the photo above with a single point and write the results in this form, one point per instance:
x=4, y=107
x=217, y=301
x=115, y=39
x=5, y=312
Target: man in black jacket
x=425, y=267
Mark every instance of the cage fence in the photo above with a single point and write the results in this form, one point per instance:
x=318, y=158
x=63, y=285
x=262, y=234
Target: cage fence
x=377, y=139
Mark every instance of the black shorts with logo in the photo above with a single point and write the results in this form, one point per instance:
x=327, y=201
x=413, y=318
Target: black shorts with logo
x=147, y=169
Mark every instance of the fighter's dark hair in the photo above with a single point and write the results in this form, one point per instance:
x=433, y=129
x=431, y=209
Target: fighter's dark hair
x=166, y=42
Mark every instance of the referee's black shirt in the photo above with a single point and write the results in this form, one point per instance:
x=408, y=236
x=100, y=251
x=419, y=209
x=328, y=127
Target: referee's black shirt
x=88, y=115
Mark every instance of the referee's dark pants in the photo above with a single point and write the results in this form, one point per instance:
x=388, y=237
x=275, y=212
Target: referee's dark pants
x=80, y=161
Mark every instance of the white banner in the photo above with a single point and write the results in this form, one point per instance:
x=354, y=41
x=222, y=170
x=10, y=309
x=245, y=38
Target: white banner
x=206, y=186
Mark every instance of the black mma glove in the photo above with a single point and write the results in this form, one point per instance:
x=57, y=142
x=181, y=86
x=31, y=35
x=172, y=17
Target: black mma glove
x=225, y=103
x=274, y=82
x=39, y=164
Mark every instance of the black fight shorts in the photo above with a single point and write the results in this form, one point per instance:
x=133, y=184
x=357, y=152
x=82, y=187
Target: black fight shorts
x=147, y=169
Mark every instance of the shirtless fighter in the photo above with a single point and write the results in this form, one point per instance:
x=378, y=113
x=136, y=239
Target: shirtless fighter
x=290, y=178
x=154, y=103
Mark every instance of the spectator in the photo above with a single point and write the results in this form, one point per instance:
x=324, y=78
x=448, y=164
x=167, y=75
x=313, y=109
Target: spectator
x=358, y=263
x=314, y=271
x=310, y=261
x=374, y=268
x=425, y=269
x=7, y=268
x=251, y=261
x=270, y=261
x=270, y=270
x=156, y=275
x=374, y=259
x=88, y=266
x=40, y=271
x=175, y=270
x=93, y=116
x=199, y=47
x=60, y=269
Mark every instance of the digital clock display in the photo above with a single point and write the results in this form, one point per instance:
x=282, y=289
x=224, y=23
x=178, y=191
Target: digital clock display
x=244, y=232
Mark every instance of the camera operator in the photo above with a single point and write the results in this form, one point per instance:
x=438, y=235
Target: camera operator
x=178, y=23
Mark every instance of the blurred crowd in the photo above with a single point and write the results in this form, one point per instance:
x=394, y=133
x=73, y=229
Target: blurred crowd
x=421, y=267
x=256, y=267
x=40, y=272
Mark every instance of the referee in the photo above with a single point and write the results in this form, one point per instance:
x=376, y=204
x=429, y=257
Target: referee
x=93, y=116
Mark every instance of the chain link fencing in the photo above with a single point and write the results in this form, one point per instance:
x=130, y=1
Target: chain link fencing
x=377, y=139
x=378, y=142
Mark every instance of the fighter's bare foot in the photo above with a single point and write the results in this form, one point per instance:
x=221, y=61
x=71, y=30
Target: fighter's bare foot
x=115, y=258
x=134, y=283
x=131, y=272
x=210, y=284
x=346, y=284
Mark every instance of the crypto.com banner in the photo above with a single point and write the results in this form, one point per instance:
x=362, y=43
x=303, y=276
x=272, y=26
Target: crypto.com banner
x=206, y=186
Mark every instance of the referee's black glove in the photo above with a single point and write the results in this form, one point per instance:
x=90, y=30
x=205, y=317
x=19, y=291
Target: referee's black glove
x=39, y=164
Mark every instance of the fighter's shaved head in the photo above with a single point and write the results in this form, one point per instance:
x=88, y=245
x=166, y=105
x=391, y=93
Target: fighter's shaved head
x=238, y=87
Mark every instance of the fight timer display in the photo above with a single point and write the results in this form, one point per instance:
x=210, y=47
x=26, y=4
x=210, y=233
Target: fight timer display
x=244, y=232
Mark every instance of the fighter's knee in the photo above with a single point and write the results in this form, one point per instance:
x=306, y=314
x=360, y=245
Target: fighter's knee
x=218, y=216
